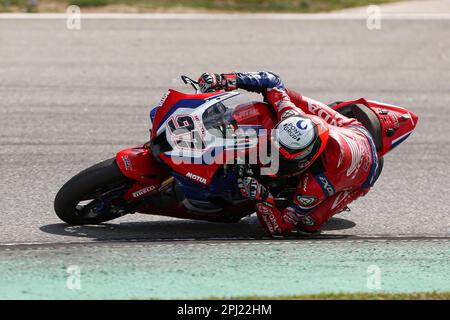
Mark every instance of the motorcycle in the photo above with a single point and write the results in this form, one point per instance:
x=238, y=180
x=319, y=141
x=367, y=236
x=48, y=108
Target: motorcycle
x=160, y=178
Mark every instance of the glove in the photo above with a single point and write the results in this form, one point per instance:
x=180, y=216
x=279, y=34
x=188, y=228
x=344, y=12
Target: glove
x=210, y=82
x=280, y=100
x=243, y=170
x=250, y=188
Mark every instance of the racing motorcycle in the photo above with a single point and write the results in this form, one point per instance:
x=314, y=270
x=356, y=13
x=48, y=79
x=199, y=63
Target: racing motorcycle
x=156, y=178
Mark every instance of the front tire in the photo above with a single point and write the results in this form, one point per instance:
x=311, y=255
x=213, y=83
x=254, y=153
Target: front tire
x=89, y=184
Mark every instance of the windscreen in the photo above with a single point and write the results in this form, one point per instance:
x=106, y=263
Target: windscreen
x=219, y=118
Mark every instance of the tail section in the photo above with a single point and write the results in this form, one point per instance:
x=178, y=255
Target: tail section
x=396, y=123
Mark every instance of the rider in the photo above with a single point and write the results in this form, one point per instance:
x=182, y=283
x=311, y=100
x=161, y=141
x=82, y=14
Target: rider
x=347, y=164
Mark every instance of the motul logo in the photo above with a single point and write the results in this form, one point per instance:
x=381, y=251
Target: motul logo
x=196, y=178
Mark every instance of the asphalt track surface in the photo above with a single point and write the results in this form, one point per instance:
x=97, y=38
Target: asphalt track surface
x=69, y=99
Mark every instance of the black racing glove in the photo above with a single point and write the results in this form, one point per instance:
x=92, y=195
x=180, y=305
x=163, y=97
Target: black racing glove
x=210, y=82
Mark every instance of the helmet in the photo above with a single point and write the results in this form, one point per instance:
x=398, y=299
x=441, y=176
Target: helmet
x=299, y=140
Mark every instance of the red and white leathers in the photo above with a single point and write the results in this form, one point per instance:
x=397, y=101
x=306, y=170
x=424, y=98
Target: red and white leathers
x=345, y=170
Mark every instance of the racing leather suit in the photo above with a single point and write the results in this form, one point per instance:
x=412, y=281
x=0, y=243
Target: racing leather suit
x=346, y=170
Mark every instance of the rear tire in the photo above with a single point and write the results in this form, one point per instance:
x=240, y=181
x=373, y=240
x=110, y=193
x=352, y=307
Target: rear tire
x=102, y=176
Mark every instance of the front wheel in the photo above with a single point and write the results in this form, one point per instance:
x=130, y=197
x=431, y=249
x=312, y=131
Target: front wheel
x=92, y=196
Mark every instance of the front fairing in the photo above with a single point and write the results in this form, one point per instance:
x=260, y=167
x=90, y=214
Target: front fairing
x=195, y=133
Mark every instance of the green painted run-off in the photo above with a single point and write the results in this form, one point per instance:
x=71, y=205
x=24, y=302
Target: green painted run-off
x=222, y=269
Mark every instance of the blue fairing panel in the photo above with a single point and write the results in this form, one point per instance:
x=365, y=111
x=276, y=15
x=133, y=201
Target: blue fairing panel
x=153, y=113
x=223, y=186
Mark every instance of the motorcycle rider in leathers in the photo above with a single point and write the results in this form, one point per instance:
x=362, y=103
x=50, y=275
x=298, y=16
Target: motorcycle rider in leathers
x=333, y=156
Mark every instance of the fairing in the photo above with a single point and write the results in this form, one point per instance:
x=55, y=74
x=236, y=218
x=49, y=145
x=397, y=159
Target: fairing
x=397, y=123
x=195, y=134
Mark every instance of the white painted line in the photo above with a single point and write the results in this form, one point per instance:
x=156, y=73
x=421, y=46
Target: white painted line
x=228, y=241
x=225, y=16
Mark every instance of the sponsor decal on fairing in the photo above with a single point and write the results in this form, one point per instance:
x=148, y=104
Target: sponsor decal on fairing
x=143, y=191
x=126, y=162
x=196, y=178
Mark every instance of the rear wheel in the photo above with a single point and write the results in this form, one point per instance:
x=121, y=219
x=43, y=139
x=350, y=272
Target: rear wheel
x=92, y=196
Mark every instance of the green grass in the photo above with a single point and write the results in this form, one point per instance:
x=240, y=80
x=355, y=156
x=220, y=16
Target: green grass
x=237, y=5
x=356, y=296
x=16, y=5
x=214, y=5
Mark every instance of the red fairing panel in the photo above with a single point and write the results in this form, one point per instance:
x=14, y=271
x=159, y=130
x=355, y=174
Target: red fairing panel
x=397, y=124
x=138, y=164
x=257, y=113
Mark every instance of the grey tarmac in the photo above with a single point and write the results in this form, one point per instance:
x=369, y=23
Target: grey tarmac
x=69, y=99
